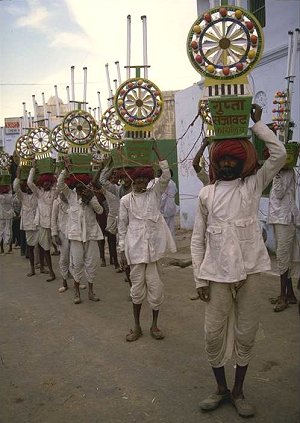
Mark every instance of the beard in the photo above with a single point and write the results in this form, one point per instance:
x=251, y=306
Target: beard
x=228, y=173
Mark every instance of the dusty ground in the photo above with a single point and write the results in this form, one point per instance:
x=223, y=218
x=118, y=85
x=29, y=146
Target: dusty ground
x=66, y=363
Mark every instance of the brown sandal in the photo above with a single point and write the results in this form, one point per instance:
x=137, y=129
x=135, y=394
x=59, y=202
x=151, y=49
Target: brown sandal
x=133, y=335
x=157, y=334
x=280, y=306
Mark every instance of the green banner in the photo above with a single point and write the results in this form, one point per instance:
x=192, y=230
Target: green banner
x=230, y=116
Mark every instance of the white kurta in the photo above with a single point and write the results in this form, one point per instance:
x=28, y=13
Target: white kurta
x=44, y=200
x=284, y=215
x=227, y=244
x=143, y=232
x=59, y=220
x=28, y=208
x=82, y=224
x=6, y=215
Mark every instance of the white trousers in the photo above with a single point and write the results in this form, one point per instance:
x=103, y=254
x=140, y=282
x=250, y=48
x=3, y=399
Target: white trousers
x=284, y=236
x=45, y=238
x=5, y=231
x=146, y=283
x=64, y=257
x=32, y=238
x=85, y=258
x=171, y=224
x=231, y=321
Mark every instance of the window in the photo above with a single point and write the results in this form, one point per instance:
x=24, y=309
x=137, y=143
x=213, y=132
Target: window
x=258, y=8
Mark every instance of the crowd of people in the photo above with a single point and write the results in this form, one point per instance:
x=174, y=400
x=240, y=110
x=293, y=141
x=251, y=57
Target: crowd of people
x=135, y=212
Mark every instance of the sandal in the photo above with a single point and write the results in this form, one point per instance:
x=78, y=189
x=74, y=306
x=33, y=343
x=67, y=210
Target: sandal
x=157, y=334
x=93, y=297
x=62, y=289
x=280, y=306
x=133, y=335
x=77, y=300
x=292, y=300
x=243, y=407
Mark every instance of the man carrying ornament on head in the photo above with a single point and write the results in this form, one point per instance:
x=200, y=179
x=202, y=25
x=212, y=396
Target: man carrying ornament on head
x=44, y=190
x=228, y=254
x=28, y=217
x=144, y=237
x=83, y=230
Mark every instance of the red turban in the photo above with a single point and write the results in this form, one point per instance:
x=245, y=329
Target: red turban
x=4, y=189
x=45, y=177
x=241, y=149
x=126, y=172
x=73, y=180
x=143, y=172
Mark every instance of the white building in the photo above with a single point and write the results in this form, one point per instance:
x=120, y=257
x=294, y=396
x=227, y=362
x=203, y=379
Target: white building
x=267, y=78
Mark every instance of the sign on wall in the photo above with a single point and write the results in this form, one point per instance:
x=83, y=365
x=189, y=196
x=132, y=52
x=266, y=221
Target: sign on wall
x=12, y=126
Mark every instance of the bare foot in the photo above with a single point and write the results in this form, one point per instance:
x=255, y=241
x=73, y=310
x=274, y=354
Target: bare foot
x=52, y=277
x=44, y=271
x=30, y=274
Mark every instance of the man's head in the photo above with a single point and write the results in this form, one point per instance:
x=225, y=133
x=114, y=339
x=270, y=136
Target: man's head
x=141, y=176
x=25, y=188
x=232, y=159
x=125, y=177
x=46, y=181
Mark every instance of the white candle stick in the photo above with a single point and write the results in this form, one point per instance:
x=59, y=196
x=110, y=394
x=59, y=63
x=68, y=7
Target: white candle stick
x=84, y=87
x=290, y=42
x=99, y=102
x=294, y=52
x=56, y=101
x=44, y=107
x=116, y=84
x=48, y=119
x=118, y=72
x=128, y=46
x=72, y=84
x=68, y=97
x=98, y=113
x=34, y=107
x=145, y=53
x=108, y=80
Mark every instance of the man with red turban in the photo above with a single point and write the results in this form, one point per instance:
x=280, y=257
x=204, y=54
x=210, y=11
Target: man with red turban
x=144, y=237
x=82, y=228
x=44, y=190
x=228, y=254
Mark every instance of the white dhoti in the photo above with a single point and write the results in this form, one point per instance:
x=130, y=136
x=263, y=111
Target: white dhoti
x=171, y=225
x=231, y=321
x=6, y=230
x=146, y=282
x=45, y=238
x=32, y=238
x=64, y=257
x=285, y=236
x=84, y=258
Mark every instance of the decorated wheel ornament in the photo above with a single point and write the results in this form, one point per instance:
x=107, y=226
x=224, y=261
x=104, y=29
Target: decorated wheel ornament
x=112, y=126
x=225, y=43
x=103, y=142
x=138, y=102
x=24, y=147
x=204, y=112
x=5, y=161
x=79, y=127
x=40, y=139
x=58, y=141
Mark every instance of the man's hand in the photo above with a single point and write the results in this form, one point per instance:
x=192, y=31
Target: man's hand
x=123, y=260
x=87, y=195
x=199, y=154
x=203, y=293
x=56, y=240
x=68, y=163
x=156, y=151
x=256, y=112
